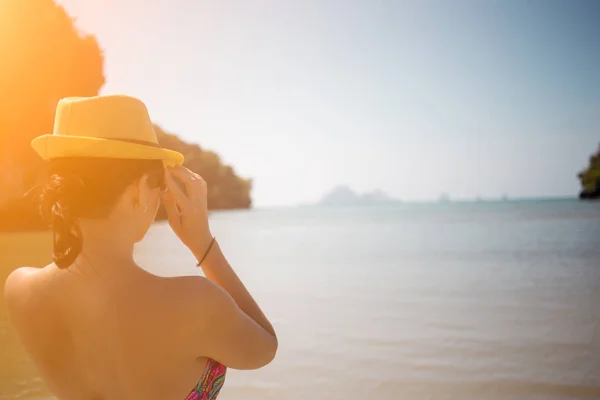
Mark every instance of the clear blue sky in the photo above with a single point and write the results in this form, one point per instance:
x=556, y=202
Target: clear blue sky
x=412, y=97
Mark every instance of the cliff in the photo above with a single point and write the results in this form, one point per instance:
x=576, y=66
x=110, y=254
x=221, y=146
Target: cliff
x=345, y=196
x=226, y=190
x=590, y=178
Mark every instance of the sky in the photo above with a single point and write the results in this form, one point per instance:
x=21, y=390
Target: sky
x=416, y=98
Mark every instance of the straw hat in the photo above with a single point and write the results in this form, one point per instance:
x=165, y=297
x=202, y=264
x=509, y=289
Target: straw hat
x=114, y=126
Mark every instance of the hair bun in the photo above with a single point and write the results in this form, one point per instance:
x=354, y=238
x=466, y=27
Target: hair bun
x=59, y=203
x=60, y=196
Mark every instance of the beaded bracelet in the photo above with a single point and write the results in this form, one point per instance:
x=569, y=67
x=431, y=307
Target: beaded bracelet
x=206, y=253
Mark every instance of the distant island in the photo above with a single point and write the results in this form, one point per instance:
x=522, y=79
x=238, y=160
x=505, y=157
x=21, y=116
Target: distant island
x=345, y=196
x=590, y=179
x=444, y=198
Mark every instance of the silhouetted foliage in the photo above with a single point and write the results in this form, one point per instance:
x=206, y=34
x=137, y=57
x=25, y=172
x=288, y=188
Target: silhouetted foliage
x=43, y=59
x=225, y=189
x=590, y=178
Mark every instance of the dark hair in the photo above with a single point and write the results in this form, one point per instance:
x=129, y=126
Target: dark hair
x=87, y=188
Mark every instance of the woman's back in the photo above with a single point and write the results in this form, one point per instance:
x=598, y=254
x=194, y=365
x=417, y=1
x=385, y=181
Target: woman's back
x=96, y=338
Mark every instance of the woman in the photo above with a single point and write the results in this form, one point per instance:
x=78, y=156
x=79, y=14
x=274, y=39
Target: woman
x=96, y=325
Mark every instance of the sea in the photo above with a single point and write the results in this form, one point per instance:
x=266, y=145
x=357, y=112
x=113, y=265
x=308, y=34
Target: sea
x=456, y=301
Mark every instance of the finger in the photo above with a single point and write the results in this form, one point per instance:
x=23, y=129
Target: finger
x=192, y=181
x=180, y=198
x=171, y=209
x=201, y=183
x=194, y=176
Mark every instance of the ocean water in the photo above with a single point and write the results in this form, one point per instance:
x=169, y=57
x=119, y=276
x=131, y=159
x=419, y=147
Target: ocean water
x=449, y=301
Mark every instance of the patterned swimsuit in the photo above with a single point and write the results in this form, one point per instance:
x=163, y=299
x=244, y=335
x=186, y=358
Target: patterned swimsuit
x=211, y=383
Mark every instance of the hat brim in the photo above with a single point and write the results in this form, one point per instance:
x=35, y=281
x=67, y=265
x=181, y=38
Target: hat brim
x=49, y=147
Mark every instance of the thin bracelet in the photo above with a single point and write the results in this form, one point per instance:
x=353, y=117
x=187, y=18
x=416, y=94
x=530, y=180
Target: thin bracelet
x=207, y=250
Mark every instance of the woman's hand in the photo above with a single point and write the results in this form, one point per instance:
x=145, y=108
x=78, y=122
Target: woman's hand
x=187, y=212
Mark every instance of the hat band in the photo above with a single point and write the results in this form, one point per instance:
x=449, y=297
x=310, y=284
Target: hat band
x=136, y=141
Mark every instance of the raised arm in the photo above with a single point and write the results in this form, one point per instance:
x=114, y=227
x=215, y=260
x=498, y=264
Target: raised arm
x=233, y=328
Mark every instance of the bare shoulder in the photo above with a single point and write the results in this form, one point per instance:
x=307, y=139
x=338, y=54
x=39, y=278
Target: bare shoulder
x=185, y=306
x=17, y=288
x=193, y=301
x=23, y=296
x=193, y=290
x=203, y=320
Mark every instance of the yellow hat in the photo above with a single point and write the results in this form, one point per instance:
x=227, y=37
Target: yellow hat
x=113, y=126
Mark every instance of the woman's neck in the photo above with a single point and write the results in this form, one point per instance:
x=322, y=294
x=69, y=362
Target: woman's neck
x=106, y=243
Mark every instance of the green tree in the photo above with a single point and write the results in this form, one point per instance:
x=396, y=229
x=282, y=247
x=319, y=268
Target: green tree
x=226, y=190
x=590, y=178
x=44, y=58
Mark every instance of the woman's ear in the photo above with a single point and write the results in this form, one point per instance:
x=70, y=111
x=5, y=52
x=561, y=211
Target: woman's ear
x=136, y=193
x=141, y=192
